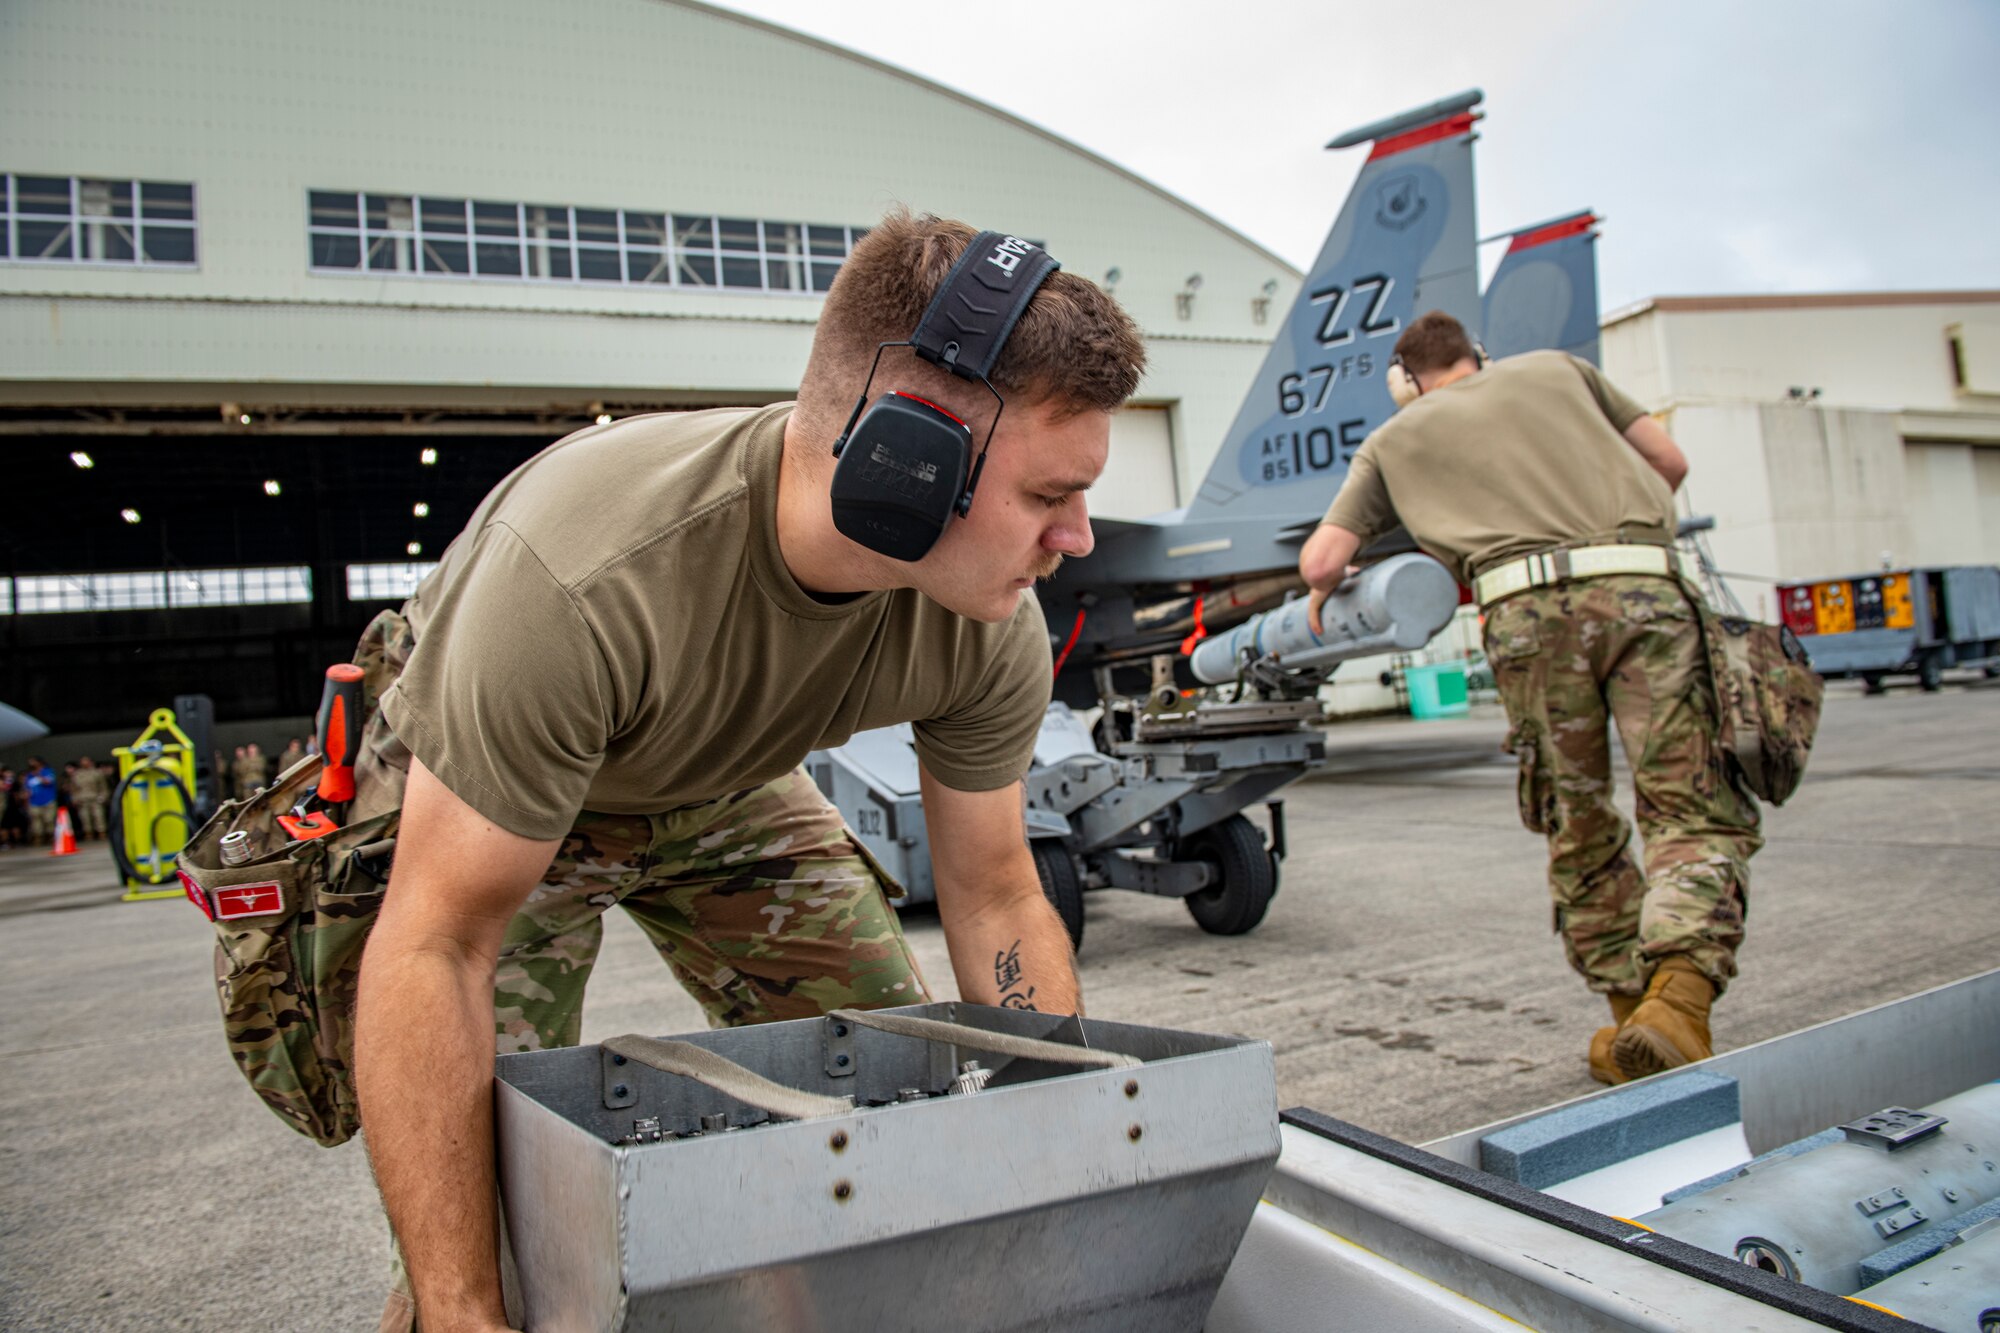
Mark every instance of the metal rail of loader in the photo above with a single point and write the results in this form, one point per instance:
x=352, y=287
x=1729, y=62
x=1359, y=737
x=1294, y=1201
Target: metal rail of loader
x=1151, y=798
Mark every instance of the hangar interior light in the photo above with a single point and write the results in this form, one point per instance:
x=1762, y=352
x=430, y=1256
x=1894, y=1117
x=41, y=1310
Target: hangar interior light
x=384, y=582
x=158, y=589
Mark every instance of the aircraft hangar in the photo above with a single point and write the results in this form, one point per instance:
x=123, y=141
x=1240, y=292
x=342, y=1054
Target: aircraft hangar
x=1827, y=433
x=269, y=327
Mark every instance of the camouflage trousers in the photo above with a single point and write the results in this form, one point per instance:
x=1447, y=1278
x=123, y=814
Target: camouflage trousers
x=1627, y=650
x=761, y=902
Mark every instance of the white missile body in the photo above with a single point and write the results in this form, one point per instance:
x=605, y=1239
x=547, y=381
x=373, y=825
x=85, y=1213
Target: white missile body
x=1396, y=606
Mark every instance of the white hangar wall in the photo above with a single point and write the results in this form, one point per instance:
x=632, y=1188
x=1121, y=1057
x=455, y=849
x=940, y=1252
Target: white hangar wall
x=1827, y=434
x=646, y=106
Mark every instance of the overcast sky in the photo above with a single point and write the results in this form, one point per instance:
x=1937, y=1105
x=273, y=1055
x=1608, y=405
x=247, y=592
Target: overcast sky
x=1747, y=146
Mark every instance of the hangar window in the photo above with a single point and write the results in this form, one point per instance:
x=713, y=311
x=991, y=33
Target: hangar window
x=385, y=583
x=694, y=251
x=424, y=235
x=158, y=589
x=598, y=242
x=77, y=220
x=546, y=232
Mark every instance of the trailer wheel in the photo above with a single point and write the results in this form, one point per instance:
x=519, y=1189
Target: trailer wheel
x=1930, y=672
x=1061, y=885
x=1871, y=683
x=1235, y=849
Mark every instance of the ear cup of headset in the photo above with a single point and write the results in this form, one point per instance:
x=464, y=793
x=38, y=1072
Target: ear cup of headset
x=901, y=473
x=906, y=465
x=1403, y=386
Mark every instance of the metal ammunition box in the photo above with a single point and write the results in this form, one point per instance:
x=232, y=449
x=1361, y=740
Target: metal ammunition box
x=1099, y=1199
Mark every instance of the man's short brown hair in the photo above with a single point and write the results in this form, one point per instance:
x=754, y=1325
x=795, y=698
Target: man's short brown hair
x=1073, y=347
x=1434, y=341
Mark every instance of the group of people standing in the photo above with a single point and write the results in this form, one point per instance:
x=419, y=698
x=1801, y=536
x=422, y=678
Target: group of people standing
x=32, y=798
x=251, y=769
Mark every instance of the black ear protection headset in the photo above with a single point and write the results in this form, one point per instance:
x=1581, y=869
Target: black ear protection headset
x=1403, y=386
x=906, y=465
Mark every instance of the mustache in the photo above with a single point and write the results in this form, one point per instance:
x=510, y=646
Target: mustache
x=1045, y=571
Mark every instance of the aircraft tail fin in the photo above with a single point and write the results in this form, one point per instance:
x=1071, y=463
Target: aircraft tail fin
x=1544, y=294
x=1403, y=244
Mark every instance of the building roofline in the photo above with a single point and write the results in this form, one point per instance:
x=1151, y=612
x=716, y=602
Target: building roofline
x=1798, y=301
x=847, y=53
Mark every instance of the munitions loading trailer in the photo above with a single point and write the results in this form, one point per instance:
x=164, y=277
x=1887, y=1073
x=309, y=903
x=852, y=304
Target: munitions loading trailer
x=1831, y=1173
x=1159, y=813
x=1151, y=799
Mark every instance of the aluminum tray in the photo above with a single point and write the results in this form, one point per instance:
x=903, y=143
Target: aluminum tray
x=1109, y=1199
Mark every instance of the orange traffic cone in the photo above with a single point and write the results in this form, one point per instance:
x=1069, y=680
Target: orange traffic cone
x=65, y=843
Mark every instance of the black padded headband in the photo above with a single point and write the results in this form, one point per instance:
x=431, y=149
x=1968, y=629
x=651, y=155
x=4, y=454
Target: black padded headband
x=982, y=298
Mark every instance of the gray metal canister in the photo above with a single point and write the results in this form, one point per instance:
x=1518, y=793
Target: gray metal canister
x=1956, y=1290
x=234, y=849
x=1396, y=606
x=1816, y=1216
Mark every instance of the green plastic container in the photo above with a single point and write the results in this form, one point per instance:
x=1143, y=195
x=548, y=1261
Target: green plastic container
x=1437, y=690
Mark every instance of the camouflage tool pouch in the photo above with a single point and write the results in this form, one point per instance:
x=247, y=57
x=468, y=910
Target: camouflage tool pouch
x=1768, y=700
x=290, y=925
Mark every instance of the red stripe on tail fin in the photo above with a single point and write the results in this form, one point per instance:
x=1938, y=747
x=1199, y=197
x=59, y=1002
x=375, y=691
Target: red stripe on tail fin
x=1447, y=128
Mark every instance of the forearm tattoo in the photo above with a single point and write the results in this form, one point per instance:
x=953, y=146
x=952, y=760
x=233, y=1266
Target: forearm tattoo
x=1008, y=979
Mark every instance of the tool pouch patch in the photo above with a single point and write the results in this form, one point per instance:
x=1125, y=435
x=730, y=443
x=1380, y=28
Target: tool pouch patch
x=290, y=924
x=1768, y=701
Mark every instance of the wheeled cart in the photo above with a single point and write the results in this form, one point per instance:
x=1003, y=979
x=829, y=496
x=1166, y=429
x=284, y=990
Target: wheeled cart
x=1158, y=809
x=1898, y=622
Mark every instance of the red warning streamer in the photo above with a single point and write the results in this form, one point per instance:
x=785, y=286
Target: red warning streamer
x=1074, y=631
x=1200, y=630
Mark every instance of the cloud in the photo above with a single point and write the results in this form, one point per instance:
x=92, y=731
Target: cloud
x=1778, y=146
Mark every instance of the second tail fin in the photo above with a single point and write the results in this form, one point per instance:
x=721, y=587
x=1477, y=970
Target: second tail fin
x=1544, y=294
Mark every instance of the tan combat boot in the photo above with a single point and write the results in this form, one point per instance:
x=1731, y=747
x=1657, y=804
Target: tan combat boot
x=1670, y=1026
x=1601, y=1067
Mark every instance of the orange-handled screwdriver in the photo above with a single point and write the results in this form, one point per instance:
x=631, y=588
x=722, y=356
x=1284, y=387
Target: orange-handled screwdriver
x=339, y=732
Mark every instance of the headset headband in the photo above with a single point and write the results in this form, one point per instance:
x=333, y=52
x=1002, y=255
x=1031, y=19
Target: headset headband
x=982, y=298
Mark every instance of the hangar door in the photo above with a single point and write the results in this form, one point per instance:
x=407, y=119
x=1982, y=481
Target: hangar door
x=1953, y=495
x=1140, y=480
x=1986, y=480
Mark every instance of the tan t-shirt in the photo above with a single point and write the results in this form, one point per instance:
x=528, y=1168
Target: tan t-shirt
x=615, y=630
x=1523, y=456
